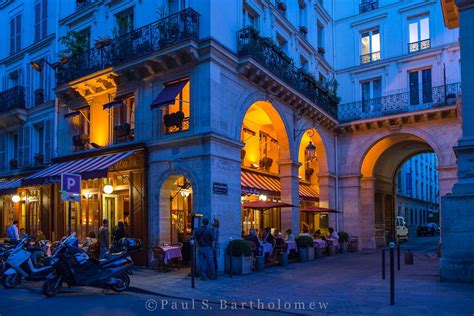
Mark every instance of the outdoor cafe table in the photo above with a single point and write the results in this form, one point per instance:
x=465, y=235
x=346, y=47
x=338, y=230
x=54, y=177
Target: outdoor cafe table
x=320, y=243
x=266, y=247
x=291, y=245
x=171, y=252
x=332, y=242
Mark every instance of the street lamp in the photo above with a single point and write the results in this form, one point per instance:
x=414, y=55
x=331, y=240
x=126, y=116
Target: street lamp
x=310, y=150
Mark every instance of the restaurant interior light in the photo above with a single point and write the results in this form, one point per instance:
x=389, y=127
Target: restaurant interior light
x=254, y=165
x=185, y=193
x=262, y=197
x=108, y=189
x=16, y=198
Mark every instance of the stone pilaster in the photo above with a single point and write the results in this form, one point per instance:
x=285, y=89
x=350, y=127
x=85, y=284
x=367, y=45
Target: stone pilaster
x=290, y=217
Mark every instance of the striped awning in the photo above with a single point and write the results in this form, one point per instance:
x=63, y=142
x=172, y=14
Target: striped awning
x=258, y=183
x=88, y=168
x=9, y=187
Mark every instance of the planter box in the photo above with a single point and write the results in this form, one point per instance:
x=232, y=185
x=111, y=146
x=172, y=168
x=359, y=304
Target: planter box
x=318, y=252
x=303, y=254
x=240, y=265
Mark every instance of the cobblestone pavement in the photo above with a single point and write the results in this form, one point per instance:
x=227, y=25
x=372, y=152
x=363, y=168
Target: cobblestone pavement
x=347, y=284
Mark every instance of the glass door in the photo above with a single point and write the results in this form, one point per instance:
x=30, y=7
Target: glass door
x=110, y=212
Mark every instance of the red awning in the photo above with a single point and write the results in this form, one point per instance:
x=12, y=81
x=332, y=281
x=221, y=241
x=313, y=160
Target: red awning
x=168, y=94
x=307, y=193
x=88, y=168
x=265, y=205
x=317, y=209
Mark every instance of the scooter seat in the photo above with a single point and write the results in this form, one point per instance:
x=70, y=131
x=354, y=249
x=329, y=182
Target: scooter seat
x=112, y=257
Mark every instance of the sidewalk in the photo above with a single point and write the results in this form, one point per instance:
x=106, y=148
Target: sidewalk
x=346, y=284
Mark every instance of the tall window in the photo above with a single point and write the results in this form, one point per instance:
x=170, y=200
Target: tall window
x=371, y=92
x=250, y=17
x=125, y=20
x=39, y=129
x=419, y=36
x=368, y=5
x=124, y=120
x=15, y=34
x=283, y=43
x=302, y=13
x=177, y=5
x=176, y=116
x=370, y=46
x=41, y=19
x=420, y=87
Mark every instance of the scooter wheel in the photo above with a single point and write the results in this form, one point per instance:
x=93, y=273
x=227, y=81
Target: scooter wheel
x=51, y=287
x=9, y=281
x=123, y=284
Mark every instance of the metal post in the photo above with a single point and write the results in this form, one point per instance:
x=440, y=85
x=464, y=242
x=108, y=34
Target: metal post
x=392, y=274
x=230, y=245
x=398, y=256
x=383, y=264
x=193, y=261
x=69, y=219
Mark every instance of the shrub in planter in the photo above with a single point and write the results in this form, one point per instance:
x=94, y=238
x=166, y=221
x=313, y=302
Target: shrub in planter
x=241, y=261
x=304, y=244
x=343, y=241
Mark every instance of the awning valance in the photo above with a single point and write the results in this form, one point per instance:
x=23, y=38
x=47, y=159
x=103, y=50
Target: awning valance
x=168, y=94
x=258, y=183
x=9, y=187
x=113, y=104
x=88, y=168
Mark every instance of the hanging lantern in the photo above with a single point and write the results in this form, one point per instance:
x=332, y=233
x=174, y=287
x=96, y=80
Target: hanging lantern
x=310, y=151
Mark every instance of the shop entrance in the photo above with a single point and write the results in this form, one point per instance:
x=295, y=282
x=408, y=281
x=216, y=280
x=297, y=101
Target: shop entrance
x=110, y=211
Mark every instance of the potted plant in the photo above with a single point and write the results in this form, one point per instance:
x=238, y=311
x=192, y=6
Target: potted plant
x=39, y=158
x=239, y=257
x=303, y=29
x=343, y=241
x=305, y=243
x=13, y=164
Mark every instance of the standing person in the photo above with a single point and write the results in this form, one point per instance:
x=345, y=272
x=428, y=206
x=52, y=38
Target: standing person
x=104, y=239
x=12, y=232
x=216, y=249
x=333, y=234
x=204, y=236
x=120, y=232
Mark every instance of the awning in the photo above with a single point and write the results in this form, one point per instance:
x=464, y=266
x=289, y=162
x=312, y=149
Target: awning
x=317, y=209
x=257, y=183
x=76, y=111
x=9, y=187
x=113, y=104
x=265, y=205
x=168, y=94
x=88, y=168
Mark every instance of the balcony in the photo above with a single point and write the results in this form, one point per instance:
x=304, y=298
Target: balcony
x=132, y=46
x=400, y=103
x=12, y=106
x=268, y=57
x=368, y=58
x=420, y=45
x=368, y=6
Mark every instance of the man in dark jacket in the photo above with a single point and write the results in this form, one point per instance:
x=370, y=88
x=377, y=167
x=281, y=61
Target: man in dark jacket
x=205, y=238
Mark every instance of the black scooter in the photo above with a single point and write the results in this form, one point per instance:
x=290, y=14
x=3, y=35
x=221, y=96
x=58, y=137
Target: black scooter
x=74, y=267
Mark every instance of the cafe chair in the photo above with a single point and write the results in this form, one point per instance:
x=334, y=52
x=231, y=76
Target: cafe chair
x=158, y=261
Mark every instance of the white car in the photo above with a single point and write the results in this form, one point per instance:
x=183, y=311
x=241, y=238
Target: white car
x=401, y=228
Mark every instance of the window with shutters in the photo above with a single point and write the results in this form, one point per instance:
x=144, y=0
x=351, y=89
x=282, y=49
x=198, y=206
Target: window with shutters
x=24, y=140
x=13, y=149
x=15, y=34
x=41, y=19
x=39, y=142
x=420, y=86
x=47, y=140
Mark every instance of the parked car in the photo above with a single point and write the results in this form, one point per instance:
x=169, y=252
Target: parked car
x=428, y=229
x=401, y=228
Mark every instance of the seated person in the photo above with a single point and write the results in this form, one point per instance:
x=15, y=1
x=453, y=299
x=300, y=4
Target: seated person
x=333, y=234
x=90, y=239
x=289, y=235
x=306, y=232
x=252, y=236
x=22, y=233
x=268, y=237
x=317, y=234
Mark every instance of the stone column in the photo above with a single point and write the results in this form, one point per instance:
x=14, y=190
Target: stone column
x=290, y=216
x=457, y=262
x=367, y=212
x=349, y=205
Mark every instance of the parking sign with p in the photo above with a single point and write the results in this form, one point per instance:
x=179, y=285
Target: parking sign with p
x=71, y=183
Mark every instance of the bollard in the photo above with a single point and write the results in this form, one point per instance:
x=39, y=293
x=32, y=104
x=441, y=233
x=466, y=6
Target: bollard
x=383, y=264
x=260, y=263
x=398, y=257
x=392, y=273
x=408, y=257
x=231, y=254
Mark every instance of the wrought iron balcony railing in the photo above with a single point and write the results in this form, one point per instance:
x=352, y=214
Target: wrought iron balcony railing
x=420, y=45
x=410, y=101
x=368, y=6
x=13, y=98
x=368, y=58
x=262, y=50
x=158, y=35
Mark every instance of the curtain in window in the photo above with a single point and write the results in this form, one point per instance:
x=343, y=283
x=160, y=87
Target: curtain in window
x=414, y=89
x=427, y=88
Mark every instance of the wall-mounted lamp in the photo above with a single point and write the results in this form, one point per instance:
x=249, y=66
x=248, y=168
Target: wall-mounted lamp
x=108, y=189
x=16, y=198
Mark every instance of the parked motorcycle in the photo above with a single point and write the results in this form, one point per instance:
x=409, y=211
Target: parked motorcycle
x=5, y=250
x=27, y=262
x=75, y=268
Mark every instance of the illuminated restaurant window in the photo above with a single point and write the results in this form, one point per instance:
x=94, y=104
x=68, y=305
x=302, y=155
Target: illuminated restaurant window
x=174, y=101
x=80, y=122
x=124, y=119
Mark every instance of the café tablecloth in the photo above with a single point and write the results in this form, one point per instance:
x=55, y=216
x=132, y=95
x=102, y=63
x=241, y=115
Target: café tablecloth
x=171, y=252
x=266, y=248
x=333, y=242
x=320, y=243
x=291, y=245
